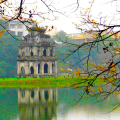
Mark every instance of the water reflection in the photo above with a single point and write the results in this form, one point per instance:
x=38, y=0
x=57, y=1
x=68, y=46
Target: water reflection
x=54, y=104
x=38, y=104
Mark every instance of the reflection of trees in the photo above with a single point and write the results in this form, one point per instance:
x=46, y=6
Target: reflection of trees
x=38, y=103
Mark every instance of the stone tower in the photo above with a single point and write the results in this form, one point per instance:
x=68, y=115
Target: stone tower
x=36, y=55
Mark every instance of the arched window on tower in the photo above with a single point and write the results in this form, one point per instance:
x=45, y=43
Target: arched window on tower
x=51, y=52
x=32, y=70
x=22, y=70
x=38, y=51
x=25, y=39
x=44, y=52
x=31, y=53
x=53, y=68
x=39, y=68
x=23, y=54
x=46, y=68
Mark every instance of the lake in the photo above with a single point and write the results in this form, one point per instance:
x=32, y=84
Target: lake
x=54, y=104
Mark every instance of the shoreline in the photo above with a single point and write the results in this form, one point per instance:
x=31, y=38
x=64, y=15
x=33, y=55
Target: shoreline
x=61, y=81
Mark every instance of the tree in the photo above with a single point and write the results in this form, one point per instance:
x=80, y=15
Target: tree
x=102, y=70
x=8, y=55
x=105, y=43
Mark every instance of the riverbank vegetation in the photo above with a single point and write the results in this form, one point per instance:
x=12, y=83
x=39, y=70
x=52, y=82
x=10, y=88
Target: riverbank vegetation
x=61, y=81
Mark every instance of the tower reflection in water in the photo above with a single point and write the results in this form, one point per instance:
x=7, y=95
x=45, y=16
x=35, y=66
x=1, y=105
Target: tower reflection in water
x=38, y=103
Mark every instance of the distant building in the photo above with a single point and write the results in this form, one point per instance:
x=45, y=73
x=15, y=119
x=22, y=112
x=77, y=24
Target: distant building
x=75, y=35
x=20, y=29
x=79, y=38
x=36, y=55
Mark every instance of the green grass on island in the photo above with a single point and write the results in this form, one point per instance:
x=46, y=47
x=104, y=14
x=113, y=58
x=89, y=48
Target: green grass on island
x=46, y=82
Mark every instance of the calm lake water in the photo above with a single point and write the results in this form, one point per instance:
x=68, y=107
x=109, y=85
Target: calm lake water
x=53, y=104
